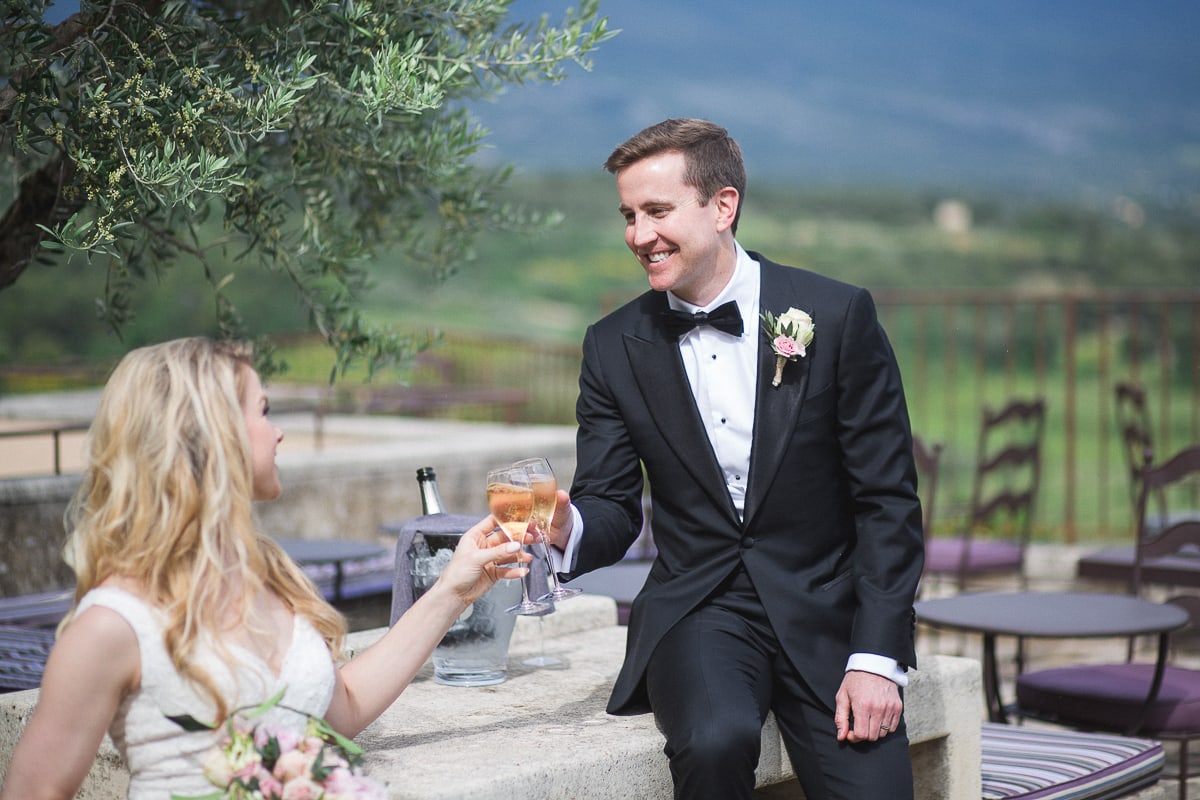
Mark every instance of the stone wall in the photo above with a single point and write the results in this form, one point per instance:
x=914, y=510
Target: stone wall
x=32, y=534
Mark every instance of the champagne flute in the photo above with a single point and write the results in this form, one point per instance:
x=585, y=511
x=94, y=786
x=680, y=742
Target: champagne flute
x=543, y=660
x=545, y=496
x=510, y=499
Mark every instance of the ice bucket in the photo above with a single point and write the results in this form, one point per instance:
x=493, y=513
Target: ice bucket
x=474, y=652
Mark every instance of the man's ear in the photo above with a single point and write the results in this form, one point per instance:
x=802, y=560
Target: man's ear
x=725, y=203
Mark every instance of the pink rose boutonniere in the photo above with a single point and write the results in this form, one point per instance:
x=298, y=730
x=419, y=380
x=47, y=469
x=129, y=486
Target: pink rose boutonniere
x=790, y=333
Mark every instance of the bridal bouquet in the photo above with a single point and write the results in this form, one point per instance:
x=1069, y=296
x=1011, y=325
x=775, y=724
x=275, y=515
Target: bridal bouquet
x=275, y=762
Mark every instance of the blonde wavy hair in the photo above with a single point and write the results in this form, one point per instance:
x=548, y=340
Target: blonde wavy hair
x=166, y=501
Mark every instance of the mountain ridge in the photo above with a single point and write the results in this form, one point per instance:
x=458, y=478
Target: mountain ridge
x=1070, y=97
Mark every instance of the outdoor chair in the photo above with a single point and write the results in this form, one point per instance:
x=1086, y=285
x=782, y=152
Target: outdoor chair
x=928, y=458
x=1137, y=446
x=1133, y=697
x=1116, y=562
x=1177, y=535
x=1133, y=428
x=1003, y=495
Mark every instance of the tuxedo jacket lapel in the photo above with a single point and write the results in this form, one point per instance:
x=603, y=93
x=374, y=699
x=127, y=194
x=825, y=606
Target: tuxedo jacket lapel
x=776, y=407
x=658, y=369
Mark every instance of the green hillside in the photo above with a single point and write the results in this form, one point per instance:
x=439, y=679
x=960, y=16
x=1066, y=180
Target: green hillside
x=549, y=284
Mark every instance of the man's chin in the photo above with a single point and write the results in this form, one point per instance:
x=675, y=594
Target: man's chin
x=660, y=283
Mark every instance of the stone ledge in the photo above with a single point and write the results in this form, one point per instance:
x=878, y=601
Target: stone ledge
x=420, y=745
x=548, y=728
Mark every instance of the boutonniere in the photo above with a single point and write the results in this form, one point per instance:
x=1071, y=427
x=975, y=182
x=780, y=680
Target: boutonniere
x=790, y=333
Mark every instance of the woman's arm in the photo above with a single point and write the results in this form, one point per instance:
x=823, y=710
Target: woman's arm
x=372, y=681
x=91, y=667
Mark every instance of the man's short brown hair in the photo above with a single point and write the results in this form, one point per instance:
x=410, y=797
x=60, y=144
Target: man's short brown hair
x=712, y=159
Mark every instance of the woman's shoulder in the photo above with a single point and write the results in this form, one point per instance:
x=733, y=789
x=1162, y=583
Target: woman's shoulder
x=100, y=643
x=122, y=598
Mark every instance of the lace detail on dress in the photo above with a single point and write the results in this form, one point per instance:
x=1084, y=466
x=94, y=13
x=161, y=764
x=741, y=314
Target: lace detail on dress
x=164, y=758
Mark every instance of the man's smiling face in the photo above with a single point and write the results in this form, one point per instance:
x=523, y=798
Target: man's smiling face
x=678, y=237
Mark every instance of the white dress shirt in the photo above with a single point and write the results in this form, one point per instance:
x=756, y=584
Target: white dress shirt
x=723, y=372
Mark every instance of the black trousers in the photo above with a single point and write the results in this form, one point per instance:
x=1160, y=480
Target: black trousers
x=711, y=682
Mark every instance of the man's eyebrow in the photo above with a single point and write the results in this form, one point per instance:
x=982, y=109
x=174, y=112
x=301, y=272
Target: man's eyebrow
x=650, y=203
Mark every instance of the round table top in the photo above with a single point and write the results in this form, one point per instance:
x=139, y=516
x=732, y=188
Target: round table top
x=329, y=551
x=1051, y=614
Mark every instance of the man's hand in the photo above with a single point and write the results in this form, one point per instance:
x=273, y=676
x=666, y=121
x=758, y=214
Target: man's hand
x=868, y=707
x=562, y=521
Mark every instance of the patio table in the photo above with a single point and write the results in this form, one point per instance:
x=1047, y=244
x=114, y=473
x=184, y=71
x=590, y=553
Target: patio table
x=338, y=552
x=1048, y=615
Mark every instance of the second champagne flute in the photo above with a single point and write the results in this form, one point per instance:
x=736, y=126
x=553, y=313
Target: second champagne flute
x=545, y=496
x=510, y=499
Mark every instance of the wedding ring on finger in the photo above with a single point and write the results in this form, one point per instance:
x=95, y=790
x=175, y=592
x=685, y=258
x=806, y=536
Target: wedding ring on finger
x=884, y=728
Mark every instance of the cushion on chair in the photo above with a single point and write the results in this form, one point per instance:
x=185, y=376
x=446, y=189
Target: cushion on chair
x=945, y=554
x=1035, y=764
x=1110, y=696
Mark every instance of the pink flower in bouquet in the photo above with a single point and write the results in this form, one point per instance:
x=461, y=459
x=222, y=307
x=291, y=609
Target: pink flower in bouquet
x=342, y=784
x=293, y=764
x=302, y=789
x=268, y=786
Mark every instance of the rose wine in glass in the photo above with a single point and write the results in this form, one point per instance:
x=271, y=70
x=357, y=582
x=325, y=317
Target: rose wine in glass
x=545, y=496
x=510, y=499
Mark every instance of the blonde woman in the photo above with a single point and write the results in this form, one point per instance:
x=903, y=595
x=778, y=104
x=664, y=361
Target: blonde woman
x=182, y=607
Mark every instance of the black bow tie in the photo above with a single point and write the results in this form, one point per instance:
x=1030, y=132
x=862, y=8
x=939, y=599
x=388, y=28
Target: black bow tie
x=725, y=317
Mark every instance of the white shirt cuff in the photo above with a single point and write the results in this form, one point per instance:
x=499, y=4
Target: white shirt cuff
x=878, y=665
x=564, y=560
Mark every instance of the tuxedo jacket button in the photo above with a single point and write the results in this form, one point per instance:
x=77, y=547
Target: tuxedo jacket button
x=747, y=542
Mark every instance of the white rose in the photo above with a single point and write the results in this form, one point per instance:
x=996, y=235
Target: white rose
x=797, y=324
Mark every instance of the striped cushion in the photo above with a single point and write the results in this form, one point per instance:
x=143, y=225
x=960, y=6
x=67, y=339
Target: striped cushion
x=23, y=653
x=1031, y=763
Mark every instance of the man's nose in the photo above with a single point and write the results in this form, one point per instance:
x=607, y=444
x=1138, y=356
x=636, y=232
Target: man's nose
x=642, y=231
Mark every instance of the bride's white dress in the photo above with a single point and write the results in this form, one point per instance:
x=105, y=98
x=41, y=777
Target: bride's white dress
x=162, y=757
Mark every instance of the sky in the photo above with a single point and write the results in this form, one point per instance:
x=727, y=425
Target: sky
x=1043, y=95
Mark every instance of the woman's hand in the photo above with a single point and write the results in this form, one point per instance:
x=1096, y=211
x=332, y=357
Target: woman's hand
x=476, y=564
x=372, y=680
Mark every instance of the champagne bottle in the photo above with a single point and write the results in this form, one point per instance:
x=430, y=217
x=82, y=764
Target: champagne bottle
x=431, y=498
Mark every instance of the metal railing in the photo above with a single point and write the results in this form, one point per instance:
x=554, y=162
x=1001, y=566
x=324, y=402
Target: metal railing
x=55, y=432
x=963, y=350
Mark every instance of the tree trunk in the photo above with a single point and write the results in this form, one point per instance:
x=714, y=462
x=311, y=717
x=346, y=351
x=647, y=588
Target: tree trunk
x=37, y=202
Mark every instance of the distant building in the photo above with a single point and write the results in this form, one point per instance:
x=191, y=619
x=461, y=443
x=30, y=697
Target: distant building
x=952, y=216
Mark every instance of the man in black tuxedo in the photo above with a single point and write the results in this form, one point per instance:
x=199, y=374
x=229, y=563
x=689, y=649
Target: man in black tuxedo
x=785, y=516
